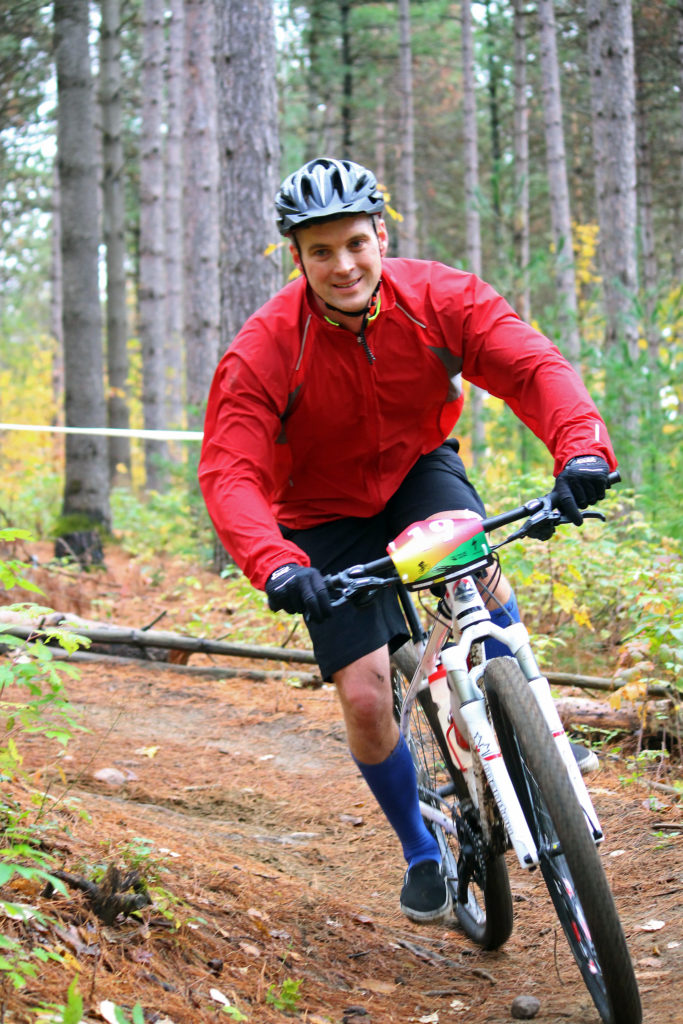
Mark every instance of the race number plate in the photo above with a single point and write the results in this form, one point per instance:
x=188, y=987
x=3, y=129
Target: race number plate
x=437, y=548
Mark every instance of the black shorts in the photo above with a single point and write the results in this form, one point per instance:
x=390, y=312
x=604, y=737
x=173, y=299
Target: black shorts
x=436, y=483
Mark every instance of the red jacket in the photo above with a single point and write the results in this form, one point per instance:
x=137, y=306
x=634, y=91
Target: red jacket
x=301, y=428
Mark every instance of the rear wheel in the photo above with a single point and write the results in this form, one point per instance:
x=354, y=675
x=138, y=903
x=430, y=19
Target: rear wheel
x=569, y=860
x=477, y=877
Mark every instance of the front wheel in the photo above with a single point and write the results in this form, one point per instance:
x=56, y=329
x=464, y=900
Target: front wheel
x=569, y=860
x=476, y=875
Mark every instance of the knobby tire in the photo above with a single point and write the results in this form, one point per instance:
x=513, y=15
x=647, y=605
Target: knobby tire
x=485, y=915
x=569, y=860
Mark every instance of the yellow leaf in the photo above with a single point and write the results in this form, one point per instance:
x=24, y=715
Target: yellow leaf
x=629, y=693
x=564, y=596
x=70, y=960
x=273, y=247
x=635, y=691
x=581, y=617
x=147, y=751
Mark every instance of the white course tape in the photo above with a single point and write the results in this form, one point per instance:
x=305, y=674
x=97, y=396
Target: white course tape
x=152, y=435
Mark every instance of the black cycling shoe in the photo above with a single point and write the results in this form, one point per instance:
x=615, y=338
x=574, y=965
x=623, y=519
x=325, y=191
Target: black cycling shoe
x=586, y=759
x=425, y=896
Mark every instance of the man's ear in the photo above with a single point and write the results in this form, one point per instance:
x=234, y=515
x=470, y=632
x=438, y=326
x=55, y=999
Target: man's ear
x=382, y=236
x=296, y=257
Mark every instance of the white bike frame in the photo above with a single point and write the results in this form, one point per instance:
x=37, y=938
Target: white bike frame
x=470, y=621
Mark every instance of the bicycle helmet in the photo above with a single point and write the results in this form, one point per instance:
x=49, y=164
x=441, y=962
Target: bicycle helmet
x=324, y=189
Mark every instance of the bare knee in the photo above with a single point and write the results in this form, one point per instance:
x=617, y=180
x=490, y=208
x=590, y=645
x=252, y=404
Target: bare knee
x=364, y=689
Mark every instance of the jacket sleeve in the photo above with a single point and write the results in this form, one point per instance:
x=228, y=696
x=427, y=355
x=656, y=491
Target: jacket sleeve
x=508, y=358
x=237, y=463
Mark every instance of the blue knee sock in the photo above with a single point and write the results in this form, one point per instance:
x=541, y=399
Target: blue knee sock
x=393, y=783
x=502, y=617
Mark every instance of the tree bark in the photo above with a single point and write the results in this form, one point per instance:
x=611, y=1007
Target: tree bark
x=152, y=288
x=249, y=159
x=114, y=217
x=407, y=235
x=472, y=219
x=86, y=486
x=610, y=43
x=201, y=208
x=560, y=214
x=173, y=217
x=521, y=169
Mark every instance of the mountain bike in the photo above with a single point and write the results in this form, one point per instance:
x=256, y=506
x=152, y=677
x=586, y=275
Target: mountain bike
x=494, y=766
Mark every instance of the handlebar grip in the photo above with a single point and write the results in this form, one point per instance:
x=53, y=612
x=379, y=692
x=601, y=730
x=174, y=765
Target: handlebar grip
x=614, y=478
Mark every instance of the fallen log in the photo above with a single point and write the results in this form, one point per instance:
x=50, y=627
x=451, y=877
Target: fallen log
x=157, y=638
x=651, y=717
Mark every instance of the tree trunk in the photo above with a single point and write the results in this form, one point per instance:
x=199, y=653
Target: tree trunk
x=521, y=143
x=610, y=43
x=114, y=237
x=472, y=220
x=152, y=289
x=494, y=126
x=407, y=235
x=560, y=215
x=249, y=159
x=86, y=486
x=200, y=208
x=249, y=165
x=173, y=217
x=56, y=313
x=347, y=80
x=677, y=239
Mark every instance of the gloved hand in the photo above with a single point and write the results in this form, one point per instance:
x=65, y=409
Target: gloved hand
x=582, y=482
x=296, y=588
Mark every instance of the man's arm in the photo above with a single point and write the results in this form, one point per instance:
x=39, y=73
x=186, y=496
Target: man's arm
x=236, y=470
x=514, y=362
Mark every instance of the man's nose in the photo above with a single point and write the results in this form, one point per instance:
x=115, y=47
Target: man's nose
x=344, y=261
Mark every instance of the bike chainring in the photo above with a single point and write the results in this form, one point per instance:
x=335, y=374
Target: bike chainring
x=473, y=855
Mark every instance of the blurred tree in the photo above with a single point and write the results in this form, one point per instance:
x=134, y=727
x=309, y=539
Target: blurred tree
x=86, y=484
x=558, y=186
x=200, y=207
x=152, y=281
x=114, y=230
x=173, y=214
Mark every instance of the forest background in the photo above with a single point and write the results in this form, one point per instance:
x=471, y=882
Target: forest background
x=538, y=144
x=141, y=144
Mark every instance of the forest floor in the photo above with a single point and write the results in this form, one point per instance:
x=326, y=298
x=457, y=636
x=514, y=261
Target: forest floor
x=274, y=878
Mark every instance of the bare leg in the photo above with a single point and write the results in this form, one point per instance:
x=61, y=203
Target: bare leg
x=364, y=689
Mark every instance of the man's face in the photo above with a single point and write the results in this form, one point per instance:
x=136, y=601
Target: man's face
x=342, y=259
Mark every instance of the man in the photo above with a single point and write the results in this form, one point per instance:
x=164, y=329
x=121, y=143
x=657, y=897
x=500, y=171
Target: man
x=327, y=433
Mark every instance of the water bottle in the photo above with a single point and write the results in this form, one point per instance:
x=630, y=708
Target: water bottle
x=455, y=738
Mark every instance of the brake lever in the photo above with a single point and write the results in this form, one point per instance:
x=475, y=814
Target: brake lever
x=348, y=587
x=541, y=525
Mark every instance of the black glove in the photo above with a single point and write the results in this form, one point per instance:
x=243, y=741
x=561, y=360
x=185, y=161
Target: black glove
x=582, y=482
x=295, y=588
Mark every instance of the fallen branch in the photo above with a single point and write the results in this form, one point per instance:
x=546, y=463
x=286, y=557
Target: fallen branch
x=601, y=683
x=156, y=638
x=206, y=671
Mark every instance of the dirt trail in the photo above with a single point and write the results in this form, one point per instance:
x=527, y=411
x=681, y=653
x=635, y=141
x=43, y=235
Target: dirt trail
x=237, y=800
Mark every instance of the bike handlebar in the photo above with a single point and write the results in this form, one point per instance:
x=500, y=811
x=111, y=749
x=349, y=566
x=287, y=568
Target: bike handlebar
x=359, y=579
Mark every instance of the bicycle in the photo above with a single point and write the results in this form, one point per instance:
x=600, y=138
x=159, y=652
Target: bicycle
x=494, y=765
